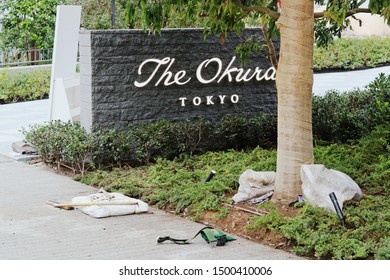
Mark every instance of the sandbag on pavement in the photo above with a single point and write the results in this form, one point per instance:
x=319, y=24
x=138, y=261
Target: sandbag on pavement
x=116, y=209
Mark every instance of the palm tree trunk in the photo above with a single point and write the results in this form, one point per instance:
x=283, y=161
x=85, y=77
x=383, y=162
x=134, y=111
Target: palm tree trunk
x=294, y=84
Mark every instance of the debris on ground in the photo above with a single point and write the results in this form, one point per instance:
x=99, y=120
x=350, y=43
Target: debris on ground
x=209, y=234
x=104, y=204
x=253, y=184
x=24, y=148
x=318, y=182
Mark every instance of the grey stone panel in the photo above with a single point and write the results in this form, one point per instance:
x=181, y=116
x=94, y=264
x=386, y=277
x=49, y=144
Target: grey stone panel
x=113, y=59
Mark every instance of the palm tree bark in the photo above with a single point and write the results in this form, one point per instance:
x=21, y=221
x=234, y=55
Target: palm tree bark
x=294, y=82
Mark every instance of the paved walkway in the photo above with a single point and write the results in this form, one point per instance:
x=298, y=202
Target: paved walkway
x=345, y=81
x=31, y=229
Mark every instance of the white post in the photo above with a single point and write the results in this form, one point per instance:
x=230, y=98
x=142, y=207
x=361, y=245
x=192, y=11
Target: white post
x=65, y=99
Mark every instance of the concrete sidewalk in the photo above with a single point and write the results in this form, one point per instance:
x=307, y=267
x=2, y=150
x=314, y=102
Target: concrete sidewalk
x=346, y=80
x=31, y=229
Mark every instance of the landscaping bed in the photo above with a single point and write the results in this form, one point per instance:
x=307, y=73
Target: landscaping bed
x=352, y=135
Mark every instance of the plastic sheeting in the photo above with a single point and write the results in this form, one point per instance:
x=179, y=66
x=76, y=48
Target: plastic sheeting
x=318, y=182
x=254, y=184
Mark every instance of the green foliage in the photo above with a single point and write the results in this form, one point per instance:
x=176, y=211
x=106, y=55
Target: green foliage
x=156, y=139
x=162, y=14
x=383, y=252
x=96, y=14
x=180, y=184
x=272, y=221
x=319, y=233
x=111, y=146
x=22, y=86
x=27, y=24
x=221, y=16
x=61, y=143
x=168, y=139
x=148, y=142
x=380, y=7
x=352, y=53
x=366, y=161
x=339, y=117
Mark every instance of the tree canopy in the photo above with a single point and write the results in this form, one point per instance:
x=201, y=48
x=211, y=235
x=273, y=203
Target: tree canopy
x=96, y=14
x=221, y=16
x=27, y=24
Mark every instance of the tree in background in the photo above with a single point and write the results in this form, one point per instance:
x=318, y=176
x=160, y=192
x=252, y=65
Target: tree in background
x=96, y=14
x=294, y=21
x=27, y=24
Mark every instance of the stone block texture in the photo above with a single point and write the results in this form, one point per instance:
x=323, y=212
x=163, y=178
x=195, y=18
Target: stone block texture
x=110, y=62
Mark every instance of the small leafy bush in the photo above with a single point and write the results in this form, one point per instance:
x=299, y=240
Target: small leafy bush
x=339, y=117
x=111, y=146
x=168, y=139
x=243, y=133
x=164, y=139
x=61, y=143
x=20, y=86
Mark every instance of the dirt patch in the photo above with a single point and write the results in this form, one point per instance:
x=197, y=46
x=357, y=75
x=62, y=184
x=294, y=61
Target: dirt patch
x=239, y=218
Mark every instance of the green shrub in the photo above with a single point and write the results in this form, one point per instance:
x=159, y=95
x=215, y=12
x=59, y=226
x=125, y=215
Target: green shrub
x=169, y=139
x=339, y=117
x=111, y=146
x=243, y=133
x=352, y=53
x=24, y=86
x=61, y=143
x=156, y=139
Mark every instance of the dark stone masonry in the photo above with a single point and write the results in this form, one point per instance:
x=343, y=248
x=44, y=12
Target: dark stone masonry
x=130, y=77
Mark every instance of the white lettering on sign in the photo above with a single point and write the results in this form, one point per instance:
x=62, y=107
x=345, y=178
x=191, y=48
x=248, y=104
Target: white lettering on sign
x=205, y=64
x=196, y=101
x=209, y=100
x=167, y=75
x=241, y=75
x=168, y=78
x=230, y=74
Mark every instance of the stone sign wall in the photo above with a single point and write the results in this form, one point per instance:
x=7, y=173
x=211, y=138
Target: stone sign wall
x=130, y=77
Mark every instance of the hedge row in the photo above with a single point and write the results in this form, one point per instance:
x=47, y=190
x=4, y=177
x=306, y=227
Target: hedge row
x=24, y=86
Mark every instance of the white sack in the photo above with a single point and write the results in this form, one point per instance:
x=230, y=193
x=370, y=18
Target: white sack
x=318, y=182
x=102, y=211
x=254, y=184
